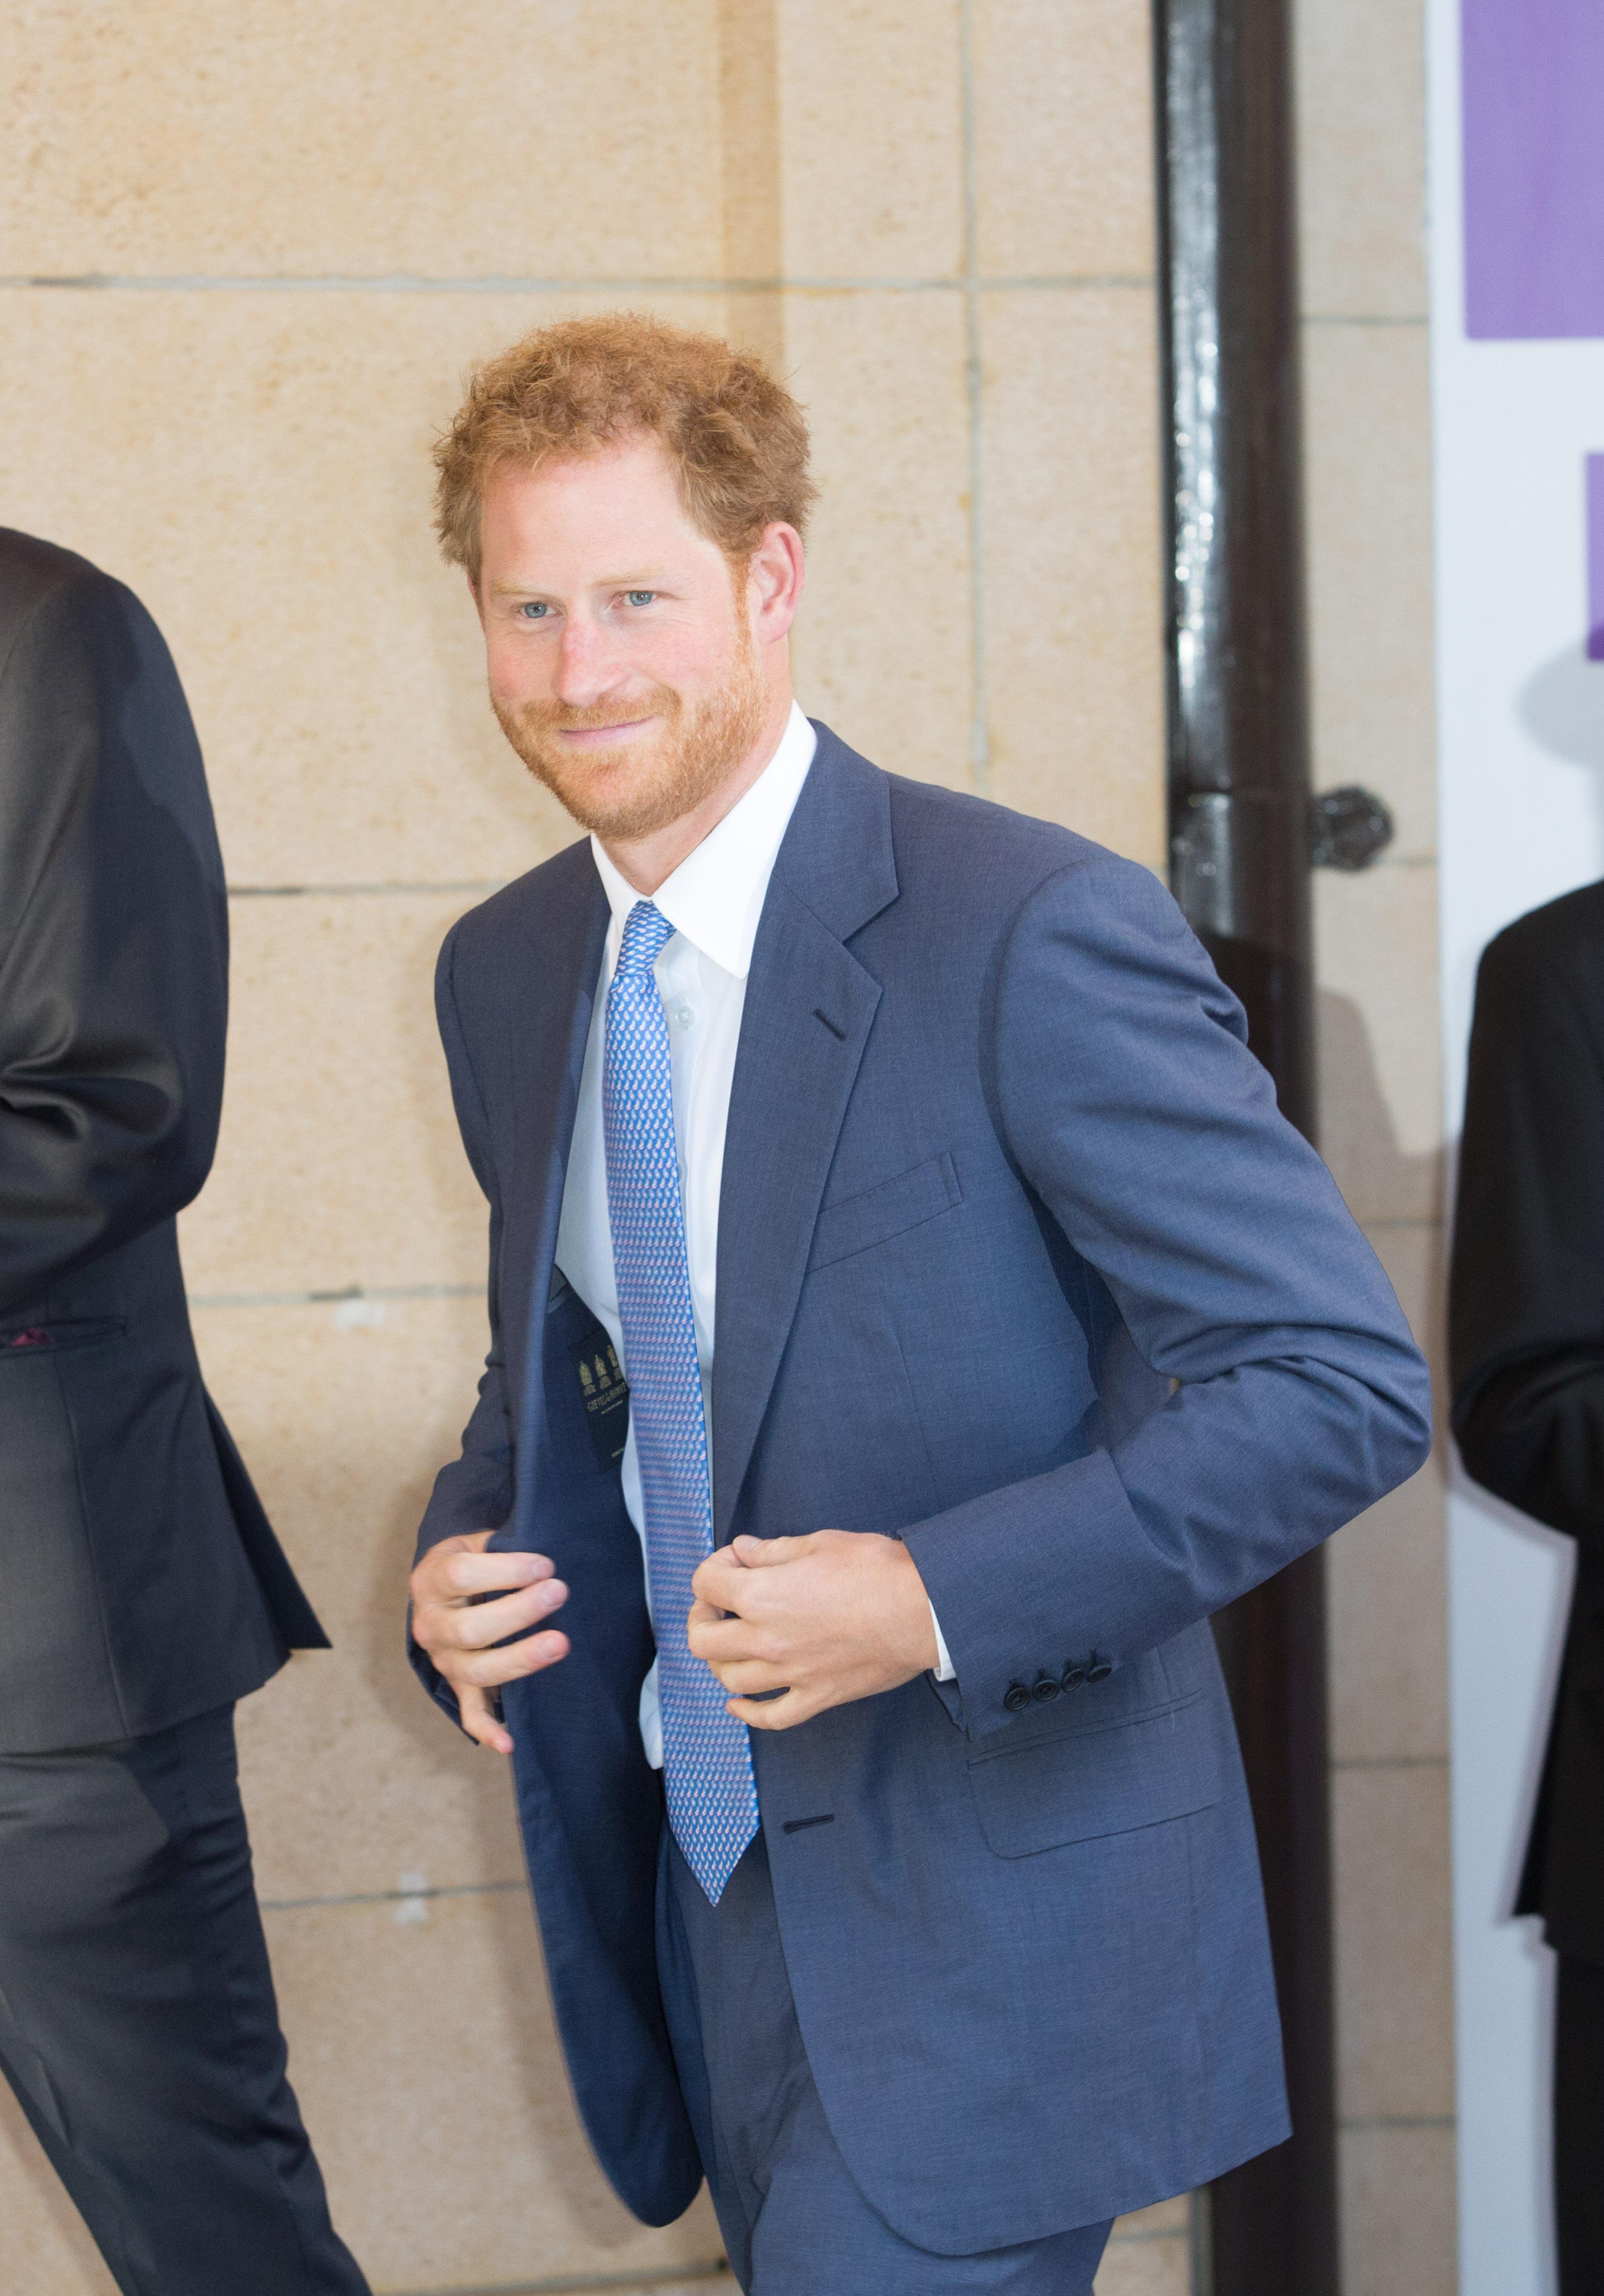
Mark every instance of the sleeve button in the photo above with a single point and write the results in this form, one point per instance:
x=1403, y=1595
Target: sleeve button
x=1045, y=1686
x=1017, y=1698
x=1100, y=1669
x=1074, y=1674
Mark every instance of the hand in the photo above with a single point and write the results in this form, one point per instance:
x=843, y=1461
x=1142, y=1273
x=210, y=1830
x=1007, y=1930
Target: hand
x=457, y=1632
x=835, y=1616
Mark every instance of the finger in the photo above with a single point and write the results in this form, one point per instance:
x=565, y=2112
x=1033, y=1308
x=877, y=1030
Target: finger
x=719, y=1581
x=476, y=1628
x=701, y=1618
x=484, y=1574
x=773, y=1713
x=446, y=1627
x=727, y=1641
x=460, y=1567
x=463, y=1576
x=747, y=1676
x=485, y=1670
x=479, y=1720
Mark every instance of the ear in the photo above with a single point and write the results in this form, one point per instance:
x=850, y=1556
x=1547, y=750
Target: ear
x=774, y=582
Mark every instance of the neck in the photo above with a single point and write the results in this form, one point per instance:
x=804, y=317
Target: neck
x=645, y=863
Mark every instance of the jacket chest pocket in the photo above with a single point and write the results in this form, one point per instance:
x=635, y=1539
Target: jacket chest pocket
x=1081, y=1785
x=859, y=1222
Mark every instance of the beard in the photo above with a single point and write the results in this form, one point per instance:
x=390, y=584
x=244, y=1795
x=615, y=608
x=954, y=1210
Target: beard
x=641, y=786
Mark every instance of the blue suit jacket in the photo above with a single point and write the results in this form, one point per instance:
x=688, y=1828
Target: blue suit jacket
x=1017, y=1260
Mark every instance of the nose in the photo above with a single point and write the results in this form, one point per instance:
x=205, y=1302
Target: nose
x=587, y=663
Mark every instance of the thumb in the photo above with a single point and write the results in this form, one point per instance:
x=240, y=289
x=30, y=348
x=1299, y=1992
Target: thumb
x=480, y=1720
x=760, y=1554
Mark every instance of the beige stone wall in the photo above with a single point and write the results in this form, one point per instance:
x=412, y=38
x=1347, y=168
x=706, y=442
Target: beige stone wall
x=246, y=255
x=1366, y=415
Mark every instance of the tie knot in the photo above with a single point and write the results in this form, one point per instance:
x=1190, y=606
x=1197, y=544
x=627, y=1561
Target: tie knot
x=647, y=934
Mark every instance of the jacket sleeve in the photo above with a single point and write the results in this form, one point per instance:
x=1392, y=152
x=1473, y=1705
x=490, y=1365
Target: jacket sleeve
x=475, y=1490
x=1133, y=1111
x=113, y=939
x=1527, y=1288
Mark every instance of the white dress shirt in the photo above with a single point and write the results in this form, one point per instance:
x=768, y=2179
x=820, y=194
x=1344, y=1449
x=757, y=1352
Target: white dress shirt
x=713, y=901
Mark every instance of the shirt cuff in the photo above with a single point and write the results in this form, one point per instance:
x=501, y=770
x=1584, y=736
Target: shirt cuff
x=944, y=1669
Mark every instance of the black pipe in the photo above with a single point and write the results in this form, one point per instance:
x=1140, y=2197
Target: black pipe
x=1239, y=820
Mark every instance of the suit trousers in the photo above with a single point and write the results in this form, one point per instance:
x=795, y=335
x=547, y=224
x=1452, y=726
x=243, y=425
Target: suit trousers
x=138, y=2025
x=1579, y=2127
x=792, y=2219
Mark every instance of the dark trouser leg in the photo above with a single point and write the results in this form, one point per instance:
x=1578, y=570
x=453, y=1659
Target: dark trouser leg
x=1579, y=2127
x=137, y=2019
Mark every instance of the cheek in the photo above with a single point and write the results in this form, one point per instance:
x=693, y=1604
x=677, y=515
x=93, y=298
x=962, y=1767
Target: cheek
x=516, y=673
x=692, y=661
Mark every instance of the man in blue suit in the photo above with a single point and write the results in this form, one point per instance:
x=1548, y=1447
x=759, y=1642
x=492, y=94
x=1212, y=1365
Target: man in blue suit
x=984, y=1328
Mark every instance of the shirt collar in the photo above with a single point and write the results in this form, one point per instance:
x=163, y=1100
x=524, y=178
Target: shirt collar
x=715, y=897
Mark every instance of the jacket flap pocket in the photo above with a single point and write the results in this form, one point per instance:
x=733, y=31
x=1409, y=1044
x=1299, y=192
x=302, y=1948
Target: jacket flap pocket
x=62, y=1332
x=1084, y=1783
x=882, y=1212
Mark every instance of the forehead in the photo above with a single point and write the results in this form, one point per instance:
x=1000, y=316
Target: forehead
x=588, y=507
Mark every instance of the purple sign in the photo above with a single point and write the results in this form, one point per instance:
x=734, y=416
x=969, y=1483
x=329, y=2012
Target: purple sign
x=1596, y=557
x=1533, y=103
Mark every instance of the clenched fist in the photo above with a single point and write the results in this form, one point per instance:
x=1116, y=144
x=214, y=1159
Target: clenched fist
x=831, y=1617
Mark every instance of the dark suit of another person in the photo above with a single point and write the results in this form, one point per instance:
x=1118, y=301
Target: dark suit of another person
x=141, y=1590
x=1527, y=1334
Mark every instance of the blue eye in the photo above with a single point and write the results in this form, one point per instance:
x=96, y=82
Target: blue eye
x=640, y=597
x=534, y=609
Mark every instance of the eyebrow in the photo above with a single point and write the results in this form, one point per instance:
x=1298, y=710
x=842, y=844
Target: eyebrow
x=647, y=580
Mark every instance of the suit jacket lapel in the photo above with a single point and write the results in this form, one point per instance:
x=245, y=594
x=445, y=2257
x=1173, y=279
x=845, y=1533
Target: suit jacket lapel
x=810, y=1005
x=552, y=1003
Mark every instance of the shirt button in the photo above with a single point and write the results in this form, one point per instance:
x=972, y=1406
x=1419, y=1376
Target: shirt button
x=684, y=1015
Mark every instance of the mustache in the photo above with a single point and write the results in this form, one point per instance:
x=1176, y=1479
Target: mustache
x=572, y=717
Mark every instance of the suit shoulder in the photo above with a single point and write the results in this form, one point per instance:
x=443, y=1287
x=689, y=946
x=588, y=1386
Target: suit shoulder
x=1564, y=936
x=1009, y=856
x=31, y=570
x=541, y=901
x=59, y=613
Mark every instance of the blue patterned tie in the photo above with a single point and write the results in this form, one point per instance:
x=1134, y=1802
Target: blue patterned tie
x=707, y=1754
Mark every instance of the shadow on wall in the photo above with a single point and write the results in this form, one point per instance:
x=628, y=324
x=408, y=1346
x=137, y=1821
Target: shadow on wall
x=1384, y=1185
x=1561, y=706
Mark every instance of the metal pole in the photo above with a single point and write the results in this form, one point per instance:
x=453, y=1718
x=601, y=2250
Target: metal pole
x=1239, y=804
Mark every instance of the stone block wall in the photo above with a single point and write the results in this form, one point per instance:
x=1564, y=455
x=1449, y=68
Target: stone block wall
x=246, y=256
